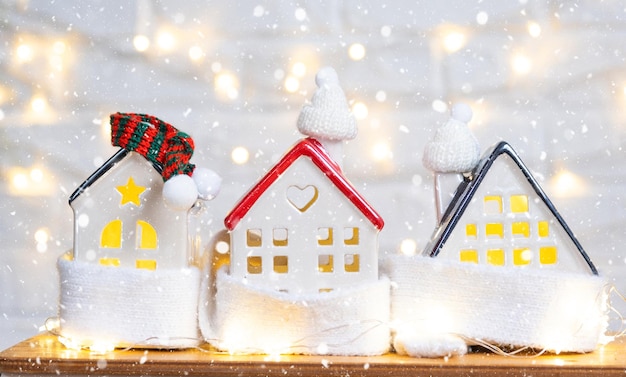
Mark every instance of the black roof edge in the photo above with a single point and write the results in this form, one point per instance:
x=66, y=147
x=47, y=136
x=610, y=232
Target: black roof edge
x=117, y=157
x=464, y=195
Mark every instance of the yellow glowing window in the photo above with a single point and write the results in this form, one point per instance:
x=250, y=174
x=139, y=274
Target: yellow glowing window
x=351, y=236
x=469, y=255
x=495, y=257
x=146, y=236
x=493, y=204
x=494, y=230
x=324, y=236
x=253, y=237
x=548, y=255
x=111, y=236
x=255, y=265
x=113, y=262
x=520, y=229
x=519, y=203
x=522, y=256
x=146, y=264
x=325, y=290
x=325, y=263
x=351, y=262
x=543, y=228
x=279, y=236
x=471, y=230
x=281, y=264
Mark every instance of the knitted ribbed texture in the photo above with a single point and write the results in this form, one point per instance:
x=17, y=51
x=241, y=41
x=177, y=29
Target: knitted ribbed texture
x=454, y=149
x=543, y=309
x=159, y=142
x=242, y=319
x=127, y=306
x=328, y=115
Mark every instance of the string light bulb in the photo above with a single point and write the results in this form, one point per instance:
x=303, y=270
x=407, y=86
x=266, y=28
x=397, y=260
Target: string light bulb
x=240, y=155
x=453, y=41
x=166, y=40
x=356, y=51
x=226, y=85
x=141, y=42
x=534, y=29
x=298, y=69
x=195, y=53
x=360, y=110
x=521, y=64
x=292, y=84
x=38, y=104
x=24, y=53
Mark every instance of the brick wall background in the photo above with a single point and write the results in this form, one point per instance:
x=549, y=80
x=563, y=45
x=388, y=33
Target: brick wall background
x=547, y=76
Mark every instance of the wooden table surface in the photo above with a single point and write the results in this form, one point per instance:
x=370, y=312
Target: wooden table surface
x=43, y=355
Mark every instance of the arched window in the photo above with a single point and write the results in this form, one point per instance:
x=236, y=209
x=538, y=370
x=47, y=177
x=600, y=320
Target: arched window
x=146, y=236
x=111, y=236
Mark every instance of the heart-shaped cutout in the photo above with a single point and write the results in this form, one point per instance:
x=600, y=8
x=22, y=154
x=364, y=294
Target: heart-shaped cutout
x=302, y=198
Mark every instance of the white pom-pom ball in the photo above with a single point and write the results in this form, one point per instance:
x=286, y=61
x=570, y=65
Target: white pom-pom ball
x=326, y=76
x=207, y=182
x=180, y=192
x=462, y=112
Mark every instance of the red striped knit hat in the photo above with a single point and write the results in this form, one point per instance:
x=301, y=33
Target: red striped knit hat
x=161, y=143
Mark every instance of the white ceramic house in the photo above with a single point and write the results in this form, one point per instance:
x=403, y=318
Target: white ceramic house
x=121, y=219
x=303, y=227
x=501, y=216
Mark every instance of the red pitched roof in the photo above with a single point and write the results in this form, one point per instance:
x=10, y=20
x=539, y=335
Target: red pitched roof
x=312, y=149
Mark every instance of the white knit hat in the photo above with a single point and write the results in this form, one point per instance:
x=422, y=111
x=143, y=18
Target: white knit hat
x=328, y=116
x=454, y=149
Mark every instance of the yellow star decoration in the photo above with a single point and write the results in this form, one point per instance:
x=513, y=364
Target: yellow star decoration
x=131, y=192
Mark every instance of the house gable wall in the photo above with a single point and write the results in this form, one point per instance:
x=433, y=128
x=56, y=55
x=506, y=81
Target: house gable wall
x=496, y=229
x=100, y=204
x=276, y=212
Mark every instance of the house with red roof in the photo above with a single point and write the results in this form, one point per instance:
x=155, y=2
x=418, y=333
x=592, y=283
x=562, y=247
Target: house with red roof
x=304, y=228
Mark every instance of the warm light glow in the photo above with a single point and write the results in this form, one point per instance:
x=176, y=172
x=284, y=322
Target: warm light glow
x=534, y=29
x=19, y=180
x=59, y=47
x=292, y=84
x=41, y=238
x=566, y=184
x=141, y=43
x=216, y=67
x=240, y=155
x=521, y=64
x=227, y=85
x=222, y=247
x=298, y=69
x=454, y=41
x=4, y=94
x=360, y=111
x=24, y=53
x=166, y=40
x=356, y=51
x=196, y=53
x=36, y=175
x=38, y=104
x=381, y=151
x=408, y=247
x=28, y=182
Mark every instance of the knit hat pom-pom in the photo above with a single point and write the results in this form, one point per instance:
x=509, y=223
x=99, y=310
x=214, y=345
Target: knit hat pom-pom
x=180, y=192
x=208, y=183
